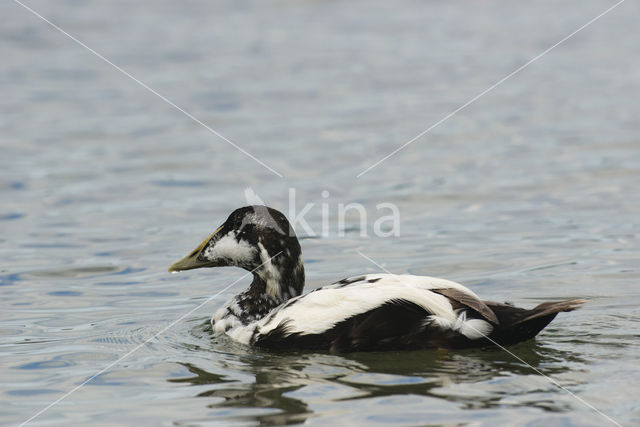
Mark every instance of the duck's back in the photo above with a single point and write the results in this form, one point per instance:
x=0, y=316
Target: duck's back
x=328, y=305
x=380, y=312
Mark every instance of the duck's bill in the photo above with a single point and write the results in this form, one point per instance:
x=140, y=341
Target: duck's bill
x=188, y=263
x=193, y=260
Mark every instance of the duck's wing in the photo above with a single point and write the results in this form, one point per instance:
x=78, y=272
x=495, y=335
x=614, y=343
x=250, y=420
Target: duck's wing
x=388, y=312
x=356, y=313
x=395, y=325
x=469, y=301
x=459, y=295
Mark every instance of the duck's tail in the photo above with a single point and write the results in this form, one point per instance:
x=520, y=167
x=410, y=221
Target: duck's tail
x=519, y=324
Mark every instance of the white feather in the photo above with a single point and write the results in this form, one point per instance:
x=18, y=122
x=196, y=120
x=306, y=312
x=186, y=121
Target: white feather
x=475, y=329
x=470, y=328
x=420, y=282
x=229, y=247
x=323, y=308
x=268, y=272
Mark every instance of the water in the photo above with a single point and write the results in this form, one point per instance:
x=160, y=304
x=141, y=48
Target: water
x=529, y=194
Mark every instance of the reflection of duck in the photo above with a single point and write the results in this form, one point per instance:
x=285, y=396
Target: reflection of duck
x=268, y=391
x=364, y=313
x=293, y=387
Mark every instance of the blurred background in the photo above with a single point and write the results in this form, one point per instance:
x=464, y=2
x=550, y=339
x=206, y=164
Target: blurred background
x=528, y=194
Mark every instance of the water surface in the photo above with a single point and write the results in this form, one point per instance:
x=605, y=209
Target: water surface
x=530, y=194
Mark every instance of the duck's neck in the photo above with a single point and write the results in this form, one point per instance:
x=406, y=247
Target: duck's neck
x=273, y=284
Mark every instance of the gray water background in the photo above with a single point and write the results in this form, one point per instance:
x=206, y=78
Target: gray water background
x=529, y=194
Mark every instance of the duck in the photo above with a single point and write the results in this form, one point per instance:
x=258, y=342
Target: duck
x=368, y=312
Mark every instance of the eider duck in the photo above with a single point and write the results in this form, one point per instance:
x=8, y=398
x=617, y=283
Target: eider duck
x=371, y=312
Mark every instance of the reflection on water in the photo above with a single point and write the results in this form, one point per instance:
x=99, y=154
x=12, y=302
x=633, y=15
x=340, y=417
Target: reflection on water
x=285, y=383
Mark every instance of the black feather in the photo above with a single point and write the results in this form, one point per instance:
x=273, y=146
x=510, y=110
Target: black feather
x=519, y=324
x=396, y=325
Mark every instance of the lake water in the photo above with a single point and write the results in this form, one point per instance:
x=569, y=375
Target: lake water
x=529, y=194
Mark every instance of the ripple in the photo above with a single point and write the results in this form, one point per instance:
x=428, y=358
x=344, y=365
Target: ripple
x=32, y=392
x=65, y=293
x=48, y=364
x=75, y=272
x=179, y=183
x=9, y=279
x=11, y=216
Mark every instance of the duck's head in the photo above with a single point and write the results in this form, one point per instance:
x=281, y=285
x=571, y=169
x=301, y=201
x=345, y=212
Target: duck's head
x=258, y=239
